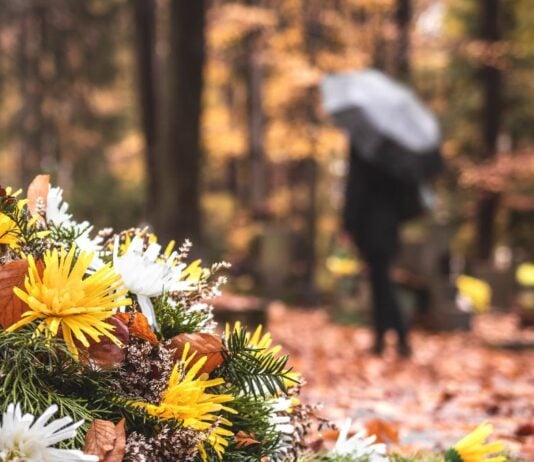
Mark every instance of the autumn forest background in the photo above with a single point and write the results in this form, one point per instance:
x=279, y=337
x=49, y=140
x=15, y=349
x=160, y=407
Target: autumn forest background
x=203, y=119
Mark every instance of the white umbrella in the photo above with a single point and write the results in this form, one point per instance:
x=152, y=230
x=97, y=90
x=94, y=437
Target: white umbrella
x=374, y=108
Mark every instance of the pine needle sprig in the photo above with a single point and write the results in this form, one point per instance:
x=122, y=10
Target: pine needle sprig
x=262, y=375
x=36, y=372
x=252, y=418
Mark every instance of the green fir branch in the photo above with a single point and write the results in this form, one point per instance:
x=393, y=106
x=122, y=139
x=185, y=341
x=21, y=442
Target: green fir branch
x=252, y=418
x=252, y=370
x=36, y=372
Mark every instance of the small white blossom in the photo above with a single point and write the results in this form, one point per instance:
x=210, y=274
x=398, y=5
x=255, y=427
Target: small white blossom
x=282, y=423
x=146, y=275
x=359, y=445
x=25, y=439
x=56, y=208
x=57, y=214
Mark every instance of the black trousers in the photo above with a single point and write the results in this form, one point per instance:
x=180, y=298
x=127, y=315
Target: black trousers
x=386, y=308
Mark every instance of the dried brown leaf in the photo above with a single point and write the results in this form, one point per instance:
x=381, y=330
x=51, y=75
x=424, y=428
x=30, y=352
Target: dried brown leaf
x=106, y=440
x=204, y=345
x=11, y=307
x=117, y=453
x=137, y=324
x=106, y=354
x=243, y=439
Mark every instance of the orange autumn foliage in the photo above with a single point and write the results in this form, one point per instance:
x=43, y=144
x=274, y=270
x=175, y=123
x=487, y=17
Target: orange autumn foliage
x=138, y=325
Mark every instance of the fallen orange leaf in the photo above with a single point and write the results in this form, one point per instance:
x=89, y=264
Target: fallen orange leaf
x=386, y=432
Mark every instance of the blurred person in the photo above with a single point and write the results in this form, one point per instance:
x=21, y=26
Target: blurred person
x=375, y=206
x=395, y=143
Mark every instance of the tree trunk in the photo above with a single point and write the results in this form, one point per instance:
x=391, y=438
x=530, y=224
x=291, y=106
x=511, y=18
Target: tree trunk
x=311, y=13
x=179, y=162
x=491, y=80
x=255, y=121
x=29, y=119
x=145, y=16
x=403, y=17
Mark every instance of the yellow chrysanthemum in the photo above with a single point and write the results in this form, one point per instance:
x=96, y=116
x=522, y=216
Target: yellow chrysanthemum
x=473, y=448
x=263, y=343
x=8, y=231
x=186, y=400
x=64, y=297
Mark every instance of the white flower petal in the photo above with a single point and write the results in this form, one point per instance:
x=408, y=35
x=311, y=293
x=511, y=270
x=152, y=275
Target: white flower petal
x=147, y=309
x=32, y=440
x=359, y=445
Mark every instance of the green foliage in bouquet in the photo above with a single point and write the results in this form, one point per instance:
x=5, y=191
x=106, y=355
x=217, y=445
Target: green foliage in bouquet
x=37, y=372
x=173, y=318
x=251, y=369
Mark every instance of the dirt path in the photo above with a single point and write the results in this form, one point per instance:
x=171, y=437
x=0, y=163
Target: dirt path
x=452, y=382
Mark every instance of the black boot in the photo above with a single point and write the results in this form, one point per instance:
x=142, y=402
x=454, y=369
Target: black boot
x=403, y=347
x=378, y=346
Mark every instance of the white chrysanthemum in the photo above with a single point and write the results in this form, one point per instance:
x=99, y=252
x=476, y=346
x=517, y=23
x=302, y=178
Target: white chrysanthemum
x=56, y=208
x=57, y=213
x=282, y=422
x=90, y=244
x=147, y=276
x=359, y=445
x=24, y=439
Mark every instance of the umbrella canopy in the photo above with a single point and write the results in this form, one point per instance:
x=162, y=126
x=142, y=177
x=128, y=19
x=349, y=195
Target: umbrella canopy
x=387, y=123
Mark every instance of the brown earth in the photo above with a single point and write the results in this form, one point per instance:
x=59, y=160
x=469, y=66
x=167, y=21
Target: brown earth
x=452, y=382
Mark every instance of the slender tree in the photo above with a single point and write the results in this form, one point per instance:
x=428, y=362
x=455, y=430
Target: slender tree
x=178, y=213
x=30, y=117
x=491, y=80
x=255, y=115
x=145, y=26
x=403, y=16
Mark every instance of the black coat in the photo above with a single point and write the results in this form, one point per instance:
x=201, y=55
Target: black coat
x=375, y=205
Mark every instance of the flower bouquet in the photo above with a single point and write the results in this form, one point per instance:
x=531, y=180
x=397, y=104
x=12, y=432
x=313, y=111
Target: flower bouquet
x=114, y=333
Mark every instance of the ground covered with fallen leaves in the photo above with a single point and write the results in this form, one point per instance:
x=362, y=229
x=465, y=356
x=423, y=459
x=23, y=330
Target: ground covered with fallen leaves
x=453, y=381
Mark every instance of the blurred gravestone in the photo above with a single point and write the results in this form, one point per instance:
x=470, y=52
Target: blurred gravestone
x=429, y=261
x=230, y=308
x=275, y=259
x=500, y=275
x=435, y=265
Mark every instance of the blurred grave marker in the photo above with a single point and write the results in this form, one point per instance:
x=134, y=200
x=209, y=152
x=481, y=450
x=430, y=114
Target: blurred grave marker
x=250, y=311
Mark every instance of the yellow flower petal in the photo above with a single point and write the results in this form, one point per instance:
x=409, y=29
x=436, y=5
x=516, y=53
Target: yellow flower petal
x=187, y=401
x=472, y=448
x=65, y=299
